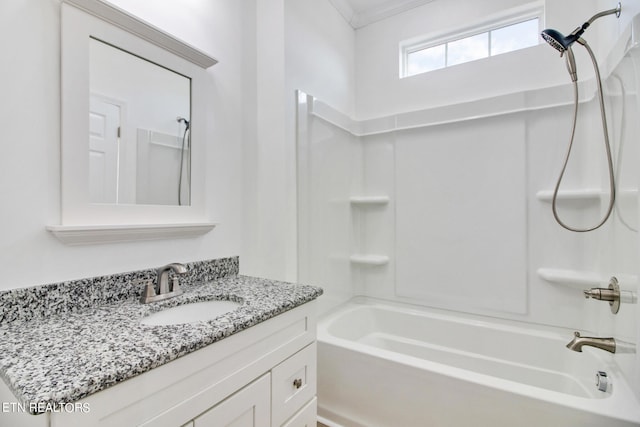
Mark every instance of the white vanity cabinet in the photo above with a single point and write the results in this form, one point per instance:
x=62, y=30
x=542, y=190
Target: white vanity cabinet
x=264, y=376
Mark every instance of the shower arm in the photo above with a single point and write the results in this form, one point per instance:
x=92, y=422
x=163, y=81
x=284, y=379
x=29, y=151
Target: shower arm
x=617, y=11
x=578, y=31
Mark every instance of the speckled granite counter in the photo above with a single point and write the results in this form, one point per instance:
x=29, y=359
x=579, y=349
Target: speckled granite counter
x=60, y=356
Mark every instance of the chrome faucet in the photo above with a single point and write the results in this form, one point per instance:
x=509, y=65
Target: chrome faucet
x=607, y=344
x=163, y=277
x=162, y=290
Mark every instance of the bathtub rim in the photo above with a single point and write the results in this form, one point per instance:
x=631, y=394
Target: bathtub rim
x=621, y=403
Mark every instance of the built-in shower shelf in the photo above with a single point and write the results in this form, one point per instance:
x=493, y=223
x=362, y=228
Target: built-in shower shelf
x=369, y=200
x=589, y=195
x=578, y=279
x=367, y=259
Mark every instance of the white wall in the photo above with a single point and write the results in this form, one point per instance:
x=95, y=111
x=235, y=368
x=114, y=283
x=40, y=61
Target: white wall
x=298, y=44
x=30, y=162
x=609, y=28
x=251, y=148
x=380, y=92
x=320, y=60
x=265, y=193
x=320, y=54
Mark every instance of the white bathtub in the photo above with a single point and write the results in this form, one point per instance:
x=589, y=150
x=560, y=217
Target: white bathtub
x=389, y=365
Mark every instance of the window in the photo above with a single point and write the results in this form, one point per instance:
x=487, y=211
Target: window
x=428, y=56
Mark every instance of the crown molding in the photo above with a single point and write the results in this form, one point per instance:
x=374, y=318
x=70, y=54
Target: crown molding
x=123, y=19
x=359, y=19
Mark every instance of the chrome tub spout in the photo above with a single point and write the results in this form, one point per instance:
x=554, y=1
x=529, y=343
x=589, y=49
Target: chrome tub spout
x=607, y=344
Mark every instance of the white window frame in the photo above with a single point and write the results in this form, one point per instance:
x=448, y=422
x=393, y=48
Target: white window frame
x=494, y=22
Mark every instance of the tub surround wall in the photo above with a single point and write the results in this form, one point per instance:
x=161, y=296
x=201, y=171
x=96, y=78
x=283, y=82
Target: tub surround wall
x=427, y=163
x=608, y=30
x=458, y=205
x=410, y=163
x=65, y=341
x=330, y=161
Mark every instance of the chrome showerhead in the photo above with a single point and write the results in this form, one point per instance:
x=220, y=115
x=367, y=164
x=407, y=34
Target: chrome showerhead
x=185, y=121
x=561, y=43
x=558, y=41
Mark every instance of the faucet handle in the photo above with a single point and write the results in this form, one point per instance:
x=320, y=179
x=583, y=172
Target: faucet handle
x=611, y=294
x=593, y=293
x=175, y=287
x=149, y=291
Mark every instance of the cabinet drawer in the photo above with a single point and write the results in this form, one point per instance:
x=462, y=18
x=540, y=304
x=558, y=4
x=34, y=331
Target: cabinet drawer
x=293, y=384
x=307, y=417
x=248, y=407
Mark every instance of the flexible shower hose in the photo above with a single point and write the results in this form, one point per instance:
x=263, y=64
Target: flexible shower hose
x=607, y=148
x=184, y=138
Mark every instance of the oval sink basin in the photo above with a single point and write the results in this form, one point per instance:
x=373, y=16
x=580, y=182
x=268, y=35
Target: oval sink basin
x=187, y=313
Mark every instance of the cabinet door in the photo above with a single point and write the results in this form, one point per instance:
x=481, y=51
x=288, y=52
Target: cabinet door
x=249, y=407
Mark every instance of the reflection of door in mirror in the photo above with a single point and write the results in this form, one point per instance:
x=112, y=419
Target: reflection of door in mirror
x=154, y=170
x=104, y=129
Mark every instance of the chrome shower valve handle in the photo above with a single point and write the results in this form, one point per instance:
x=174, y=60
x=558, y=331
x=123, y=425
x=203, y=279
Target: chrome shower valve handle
x=611, y=294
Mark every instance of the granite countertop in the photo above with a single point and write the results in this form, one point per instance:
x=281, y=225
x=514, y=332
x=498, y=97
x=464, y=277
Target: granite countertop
x=64, y=357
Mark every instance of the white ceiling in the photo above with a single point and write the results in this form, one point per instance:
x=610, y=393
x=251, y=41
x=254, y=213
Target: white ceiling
x=359, y=13
x=362, y=5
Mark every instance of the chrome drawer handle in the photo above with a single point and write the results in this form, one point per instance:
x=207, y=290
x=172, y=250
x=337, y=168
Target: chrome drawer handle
x=297, y=383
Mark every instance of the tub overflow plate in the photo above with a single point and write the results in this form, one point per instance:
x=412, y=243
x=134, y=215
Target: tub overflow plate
x=602, y=381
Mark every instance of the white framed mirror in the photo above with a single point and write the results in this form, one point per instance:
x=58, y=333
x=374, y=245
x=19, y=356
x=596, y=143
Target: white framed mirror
x=133, y=129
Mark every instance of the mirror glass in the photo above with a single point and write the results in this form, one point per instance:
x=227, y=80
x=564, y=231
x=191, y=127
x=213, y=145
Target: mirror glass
x=139, y=135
